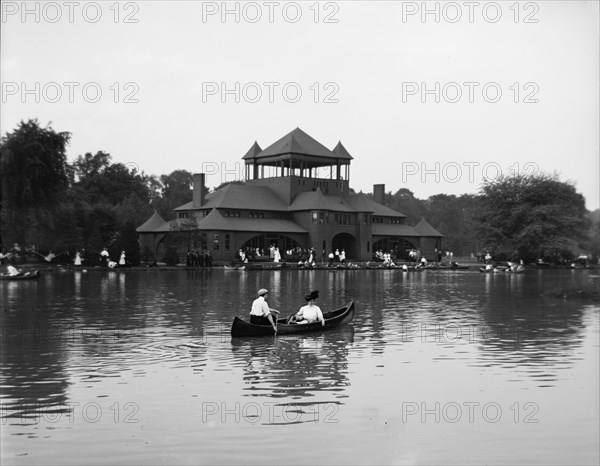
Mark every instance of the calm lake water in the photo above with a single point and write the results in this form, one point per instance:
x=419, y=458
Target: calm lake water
x=138, y=367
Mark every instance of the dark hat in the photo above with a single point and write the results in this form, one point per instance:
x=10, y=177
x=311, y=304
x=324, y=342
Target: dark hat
x=313, y=295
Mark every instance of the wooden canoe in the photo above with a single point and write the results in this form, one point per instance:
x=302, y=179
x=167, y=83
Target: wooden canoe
x=264, y=266
x=23, y=276
x=241, y=328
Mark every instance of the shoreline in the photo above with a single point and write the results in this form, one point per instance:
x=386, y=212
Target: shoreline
x=261, y=266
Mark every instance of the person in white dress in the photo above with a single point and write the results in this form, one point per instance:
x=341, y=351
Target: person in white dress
x=122, y=260
x=309, y=313
x=13, y=271
x=276, y=255
x=78, y=259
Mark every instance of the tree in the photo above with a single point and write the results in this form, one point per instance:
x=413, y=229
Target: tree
x=99, y=181
x=405, y=201
x=34, y=176
x=453, y=216
x=176, y=190
x=112, y=200
x=531, y=216
x=592, y=245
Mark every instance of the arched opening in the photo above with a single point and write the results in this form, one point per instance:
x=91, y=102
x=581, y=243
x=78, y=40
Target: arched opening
x=396, y=246
x=347, y=242
x=264, y=242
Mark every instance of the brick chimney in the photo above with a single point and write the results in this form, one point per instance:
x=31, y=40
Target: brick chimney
x=379, y=193
x=198, y=190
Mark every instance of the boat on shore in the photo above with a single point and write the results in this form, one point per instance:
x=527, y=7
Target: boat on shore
x=22, y=276
x=449, y=267
x=234, y=267
x=341, y=316
x=263, y=265
x=518, y=268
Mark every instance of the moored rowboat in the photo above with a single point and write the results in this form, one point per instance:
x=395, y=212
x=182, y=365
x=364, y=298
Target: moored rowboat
x=264, y=266
x=241, y=328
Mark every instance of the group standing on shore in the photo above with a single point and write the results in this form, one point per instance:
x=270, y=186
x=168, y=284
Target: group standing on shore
x=198, y=259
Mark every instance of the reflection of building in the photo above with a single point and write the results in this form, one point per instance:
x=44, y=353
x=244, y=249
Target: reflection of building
x=296, y=194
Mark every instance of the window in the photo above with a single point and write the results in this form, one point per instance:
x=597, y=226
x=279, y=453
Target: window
x=183, y=215
x=368, y=246
x=216, y=241
x=315, y=217
x=227, y=241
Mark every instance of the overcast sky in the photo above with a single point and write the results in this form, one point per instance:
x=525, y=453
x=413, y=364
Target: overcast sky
x=428, y=96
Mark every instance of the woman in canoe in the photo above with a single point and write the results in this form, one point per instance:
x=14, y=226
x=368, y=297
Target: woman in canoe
x=309, y=313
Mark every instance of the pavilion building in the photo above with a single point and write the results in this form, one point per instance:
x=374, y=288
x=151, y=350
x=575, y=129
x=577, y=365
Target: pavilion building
x=296, y=194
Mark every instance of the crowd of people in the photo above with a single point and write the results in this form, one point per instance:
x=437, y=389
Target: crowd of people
x=301, y=256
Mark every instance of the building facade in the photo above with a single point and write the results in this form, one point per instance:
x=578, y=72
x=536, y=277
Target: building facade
x=296, y=195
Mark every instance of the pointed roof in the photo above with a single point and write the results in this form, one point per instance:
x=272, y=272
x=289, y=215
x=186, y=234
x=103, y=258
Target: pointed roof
x=297, y=142
x=255, y=149
x=241, y=196
x=215, y=221
x=316, y=200
x=362, y=203
x=423, y=228
x=152, y=223
x=391, y=229
x=341, y=151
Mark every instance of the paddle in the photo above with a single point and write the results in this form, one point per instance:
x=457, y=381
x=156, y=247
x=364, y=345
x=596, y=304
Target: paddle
x=276, y=319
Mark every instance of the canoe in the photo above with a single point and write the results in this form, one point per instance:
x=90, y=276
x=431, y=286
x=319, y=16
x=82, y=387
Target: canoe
x=264, y=266
x=449, y=267
x=499, y=268
x=22, y=276
x=343, y=315
x=484, y=270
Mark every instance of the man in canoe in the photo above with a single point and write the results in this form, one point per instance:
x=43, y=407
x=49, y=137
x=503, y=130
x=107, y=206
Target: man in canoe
x=261, y=314
x=309, y=313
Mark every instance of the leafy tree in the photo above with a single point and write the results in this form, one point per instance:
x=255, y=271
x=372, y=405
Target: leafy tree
x=592, y=244
x=99, y=181
x=530, y=216
x=88, y=165
x=34, y=177
x=453, y=216
x=176, y=190
x=405, y=201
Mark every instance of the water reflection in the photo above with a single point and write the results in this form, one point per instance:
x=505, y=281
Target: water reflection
x=303, y=377
x=295, y=366
x=162, y=339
